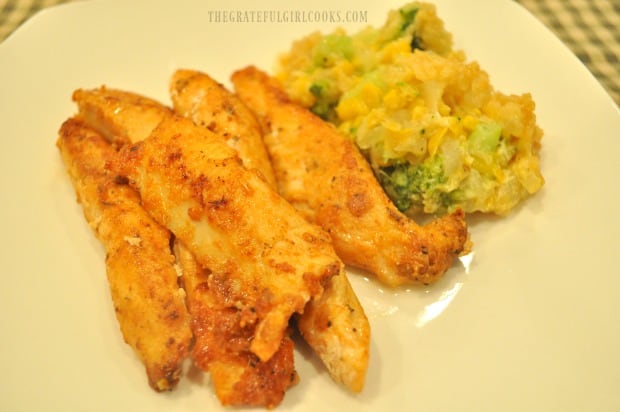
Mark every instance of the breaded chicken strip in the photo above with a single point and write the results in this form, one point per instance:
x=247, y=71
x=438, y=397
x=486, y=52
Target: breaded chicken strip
x=196, y=96
x=222, y=347
x=334, y=324
x=135, y=115
x=327, y=179
x=148, y=301
x=222, y=342
x=265, y=258
x=239, y=376
x=337, y=329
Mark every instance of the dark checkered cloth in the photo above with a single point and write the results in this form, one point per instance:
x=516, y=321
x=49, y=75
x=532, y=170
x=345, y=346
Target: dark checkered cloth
x=14, y=12
x=590, y=28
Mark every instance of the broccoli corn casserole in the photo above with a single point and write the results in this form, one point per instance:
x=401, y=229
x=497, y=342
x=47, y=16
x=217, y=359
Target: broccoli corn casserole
x=436, y=133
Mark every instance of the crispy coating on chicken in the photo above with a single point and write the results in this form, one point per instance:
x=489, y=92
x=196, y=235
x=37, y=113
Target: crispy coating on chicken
x=222, y=347
x=120, y=116
x=327, y=179
x=334, y=324
x=337, y=329
x=264, y=257
x=147, y=298
x=223, y=315
x=197, y=96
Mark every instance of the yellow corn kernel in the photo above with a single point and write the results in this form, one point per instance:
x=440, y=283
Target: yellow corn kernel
x=418, y=112
x=350, y=108
x=469, y=122
x=344, y=68
x=393, y=49
x=393, y=99
x=435, y=140
x=367, y=97
x=443, y=109
x=455, y=126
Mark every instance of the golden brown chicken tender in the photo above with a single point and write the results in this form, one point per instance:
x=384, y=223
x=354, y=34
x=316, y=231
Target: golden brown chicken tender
x=337, y=329
x=223, y=335
x=135, y=116
x=327, y=179
x=148, y=301
x=197, y=96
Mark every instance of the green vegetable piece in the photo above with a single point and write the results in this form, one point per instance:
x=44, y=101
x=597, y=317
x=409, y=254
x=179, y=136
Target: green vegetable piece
x=398, y=24
x=408, y=17
x=332, y=48
x=326, y=100
x=395, y=182
x=375, y=77
x=318, y=88
x=484, y=139
x=409, y=185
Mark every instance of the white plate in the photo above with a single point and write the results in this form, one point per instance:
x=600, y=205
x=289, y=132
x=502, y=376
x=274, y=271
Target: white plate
x=531, y=324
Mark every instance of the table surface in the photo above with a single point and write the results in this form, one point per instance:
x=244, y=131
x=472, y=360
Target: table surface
x=590, y=28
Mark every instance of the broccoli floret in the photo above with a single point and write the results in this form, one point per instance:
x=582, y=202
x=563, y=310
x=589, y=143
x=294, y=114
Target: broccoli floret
x=399, y=23
x=408, y=16
x=326, y=101
x=409, y=186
